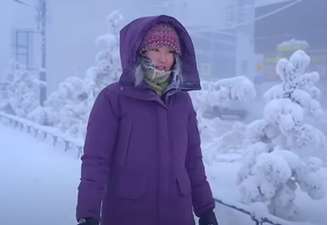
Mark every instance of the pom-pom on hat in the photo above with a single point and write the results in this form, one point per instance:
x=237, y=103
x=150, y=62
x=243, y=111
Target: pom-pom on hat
x=160, y=35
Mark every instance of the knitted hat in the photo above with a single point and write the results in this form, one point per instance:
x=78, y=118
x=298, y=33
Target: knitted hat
x=160, y=35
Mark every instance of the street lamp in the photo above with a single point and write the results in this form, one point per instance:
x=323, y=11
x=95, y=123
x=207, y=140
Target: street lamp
x=41, y=11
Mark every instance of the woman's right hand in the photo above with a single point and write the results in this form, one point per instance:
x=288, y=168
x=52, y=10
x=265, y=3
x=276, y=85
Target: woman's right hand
x=87, y=221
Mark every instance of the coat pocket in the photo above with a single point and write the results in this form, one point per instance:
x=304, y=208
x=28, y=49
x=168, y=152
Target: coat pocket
x=131, y=184
x=183, y=183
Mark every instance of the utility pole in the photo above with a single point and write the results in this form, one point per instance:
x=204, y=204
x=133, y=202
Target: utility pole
x=43, y=70
x=41, y=10
x=245, y=38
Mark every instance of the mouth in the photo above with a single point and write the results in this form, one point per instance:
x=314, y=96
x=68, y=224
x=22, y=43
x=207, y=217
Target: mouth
x=162, y=68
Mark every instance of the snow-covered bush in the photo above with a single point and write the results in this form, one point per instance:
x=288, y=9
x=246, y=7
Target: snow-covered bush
x=219, y=135
x=279, y=157
x=218, y=95
x=21, y=91
x=292, y=45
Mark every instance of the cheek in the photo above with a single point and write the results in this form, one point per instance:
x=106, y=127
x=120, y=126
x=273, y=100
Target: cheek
x=153, y=57
x=171, y=61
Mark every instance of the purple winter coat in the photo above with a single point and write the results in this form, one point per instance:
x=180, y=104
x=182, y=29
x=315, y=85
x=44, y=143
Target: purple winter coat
x=142, y=161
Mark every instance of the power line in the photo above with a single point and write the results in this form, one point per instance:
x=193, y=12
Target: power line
x=22, y=3
x=278, y=10
x=273, y=12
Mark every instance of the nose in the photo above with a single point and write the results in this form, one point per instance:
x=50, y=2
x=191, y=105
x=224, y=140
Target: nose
x=162, y=57
x=163, y=60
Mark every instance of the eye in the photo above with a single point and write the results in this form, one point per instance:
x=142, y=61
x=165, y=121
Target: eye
x=154, y=49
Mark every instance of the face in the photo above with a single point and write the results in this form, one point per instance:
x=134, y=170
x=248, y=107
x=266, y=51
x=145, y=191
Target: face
x=162, y=57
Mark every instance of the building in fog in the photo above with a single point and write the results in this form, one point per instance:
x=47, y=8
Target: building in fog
x=304, y=22
x=72, y=30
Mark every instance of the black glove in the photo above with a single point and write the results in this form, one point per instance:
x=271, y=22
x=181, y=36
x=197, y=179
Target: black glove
x=208, y=218
x=88, y=221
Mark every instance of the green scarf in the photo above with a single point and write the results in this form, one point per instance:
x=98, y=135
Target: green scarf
x=158, y=80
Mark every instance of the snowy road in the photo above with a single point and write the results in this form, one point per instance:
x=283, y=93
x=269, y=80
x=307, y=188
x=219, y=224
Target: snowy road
x=38, y=182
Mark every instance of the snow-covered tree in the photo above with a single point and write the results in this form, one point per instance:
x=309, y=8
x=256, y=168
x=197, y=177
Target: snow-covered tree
x=21, y=88
x=297, y=84
x=69, y=106
x=279, y=157
x=108, y=65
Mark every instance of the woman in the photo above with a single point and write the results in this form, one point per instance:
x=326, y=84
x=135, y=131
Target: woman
x=142, y=161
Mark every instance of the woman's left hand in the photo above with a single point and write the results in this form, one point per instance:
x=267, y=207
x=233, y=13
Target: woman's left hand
x=208, y=218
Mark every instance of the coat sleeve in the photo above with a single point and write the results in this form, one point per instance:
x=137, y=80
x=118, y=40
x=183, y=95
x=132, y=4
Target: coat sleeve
x=202, y=198
x=98, y=147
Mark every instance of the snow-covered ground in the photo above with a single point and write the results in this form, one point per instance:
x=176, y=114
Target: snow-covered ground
x=39, y=183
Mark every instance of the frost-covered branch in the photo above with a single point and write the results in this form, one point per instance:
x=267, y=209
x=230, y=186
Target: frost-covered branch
x=257, y=221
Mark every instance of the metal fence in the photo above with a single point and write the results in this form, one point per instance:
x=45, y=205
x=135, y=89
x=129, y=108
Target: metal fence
x=44, y=131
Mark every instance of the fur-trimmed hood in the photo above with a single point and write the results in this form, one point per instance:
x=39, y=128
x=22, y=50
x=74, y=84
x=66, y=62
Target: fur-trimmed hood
x=131, y=37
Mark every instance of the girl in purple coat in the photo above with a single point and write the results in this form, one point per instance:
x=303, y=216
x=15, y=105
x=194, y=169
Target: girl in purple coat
x=142, y=161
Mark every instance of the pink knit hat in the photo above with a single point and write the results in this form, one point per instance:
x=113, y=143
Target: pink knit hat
x=160, y=35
